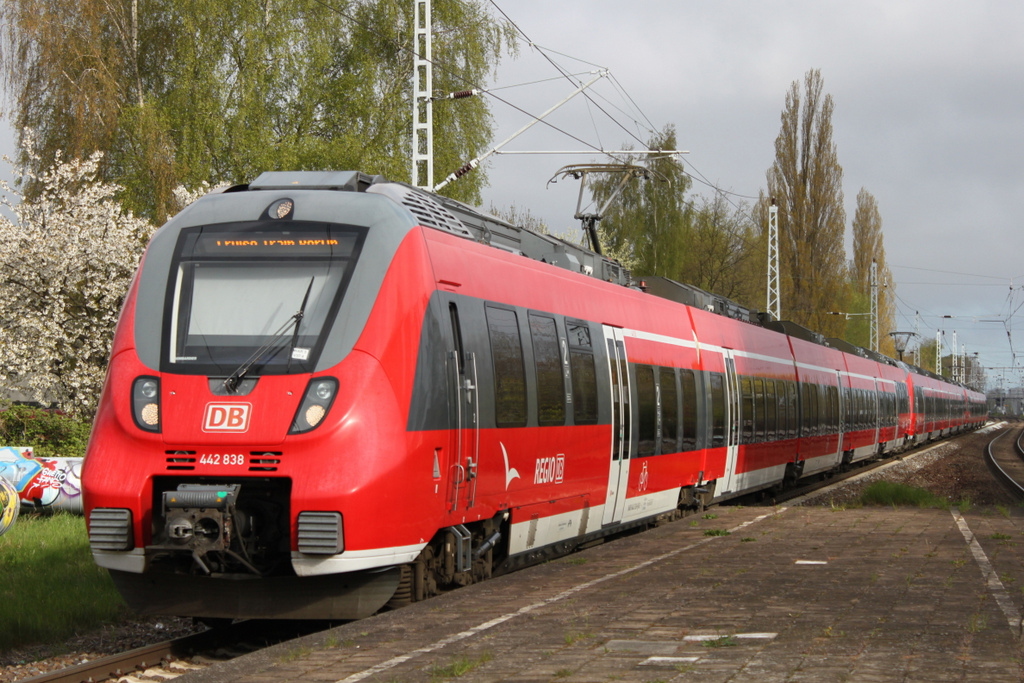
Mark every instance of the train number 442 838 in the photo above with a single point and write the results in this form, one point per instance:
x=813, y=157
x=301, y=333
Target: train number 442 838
x=222, y=459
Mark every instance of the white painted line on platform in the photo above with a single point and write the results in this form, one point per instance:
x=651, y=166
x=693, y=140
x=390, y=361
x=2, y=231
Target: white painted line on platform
x=668, y=661
x=995, y=586
x=719, y=636
x=400, y=659
x=811, y=562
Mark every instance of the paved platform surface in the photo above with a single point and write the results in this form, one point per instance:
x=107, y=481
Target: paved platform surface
x=790, y=594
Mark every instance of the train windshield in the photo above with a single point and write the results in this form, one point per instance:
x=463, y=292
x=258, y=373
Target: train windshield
x=244, y=296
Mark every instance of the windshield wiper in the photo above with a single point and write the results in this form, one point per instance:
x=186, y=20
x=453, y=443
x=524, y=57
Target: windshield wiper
x=233, y=380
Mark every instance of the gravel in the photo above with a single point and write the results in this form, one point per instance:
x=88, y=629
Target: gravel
x=956, y=471
x=25, y=662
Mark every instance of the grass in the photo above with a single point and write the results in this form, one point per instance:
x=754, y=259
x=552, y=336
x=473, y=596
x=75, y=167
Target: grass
x=51, y=589
x=894, y=494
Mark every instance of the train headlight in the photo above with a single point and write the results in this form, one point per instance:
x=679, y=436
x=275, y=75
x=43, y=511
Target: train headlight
x=146, y=403
x=315, y=403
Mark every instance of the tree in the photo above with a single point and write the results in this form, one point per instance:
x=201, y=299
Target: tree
x=724, y=252
x=647, y=222
x=868, y=248
x=180, y=93
x=67, y=260
x=806, y=182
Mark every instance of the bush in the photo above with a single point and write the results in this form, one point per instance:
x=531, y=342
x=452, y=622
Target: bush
x=51, y=434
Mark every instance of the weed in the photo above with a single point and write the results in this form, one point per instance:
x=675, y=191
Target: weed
x=1003, y=510
x=959, y=562
x=716, y=532
x=573, y=637
x=562, y=673
x=460, y=666
x=1000, y=537
x=964, y=504
x=574, y=560
x=294, y=654
x=710, y=515
x=724, y=641
x=977, y=623
x=1007, y=578
x=748, y=539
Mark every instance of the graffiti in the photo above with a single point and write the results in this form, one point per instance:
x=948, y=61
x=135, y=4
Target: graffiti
x=53, y=483
x=9, y=505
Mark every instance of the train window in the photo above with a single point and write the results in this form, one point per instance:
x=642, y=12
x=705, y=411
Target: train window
x=550, y=380
x=809, y=404
x=584, y=374
x=833, y=408
x=669, y=411
x=746, y=410
x=760, y=419
x=689, y=383
x=647, y=408
x=509, y=376
x=717, y=410
x=771, y=404
x=793, y=397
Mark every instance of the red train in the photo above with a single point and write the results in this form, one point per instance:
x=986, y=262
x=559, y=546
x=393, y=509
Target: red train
x=328, y=392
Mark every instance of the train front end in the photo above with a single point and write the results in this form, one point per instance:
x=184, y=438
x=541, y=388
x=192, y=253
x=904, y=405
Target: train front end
x=247, y=412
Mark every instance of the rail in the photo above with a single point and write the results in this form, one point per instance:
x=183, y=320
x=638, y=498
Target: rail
x=1007, y=462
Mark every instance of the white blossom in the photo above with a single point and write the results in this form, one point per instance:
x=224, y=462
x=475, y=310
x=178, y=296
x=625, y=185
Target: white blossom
x=68, y=257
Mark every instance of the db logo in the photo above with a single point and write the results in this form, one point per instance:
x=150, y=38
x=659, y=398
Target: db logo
x=226, y=417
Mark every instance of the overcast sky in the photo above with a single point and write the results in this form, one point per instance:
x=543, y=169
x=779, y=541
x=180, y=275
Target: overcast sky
x=929, y=98
x=929, y=118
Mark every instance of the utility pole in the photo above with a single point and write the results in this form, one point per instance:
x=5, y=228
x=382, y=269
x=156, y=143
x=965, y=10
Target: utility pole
x=955, y=359
x=938, y=352
x=422, y=100
x=774, y=305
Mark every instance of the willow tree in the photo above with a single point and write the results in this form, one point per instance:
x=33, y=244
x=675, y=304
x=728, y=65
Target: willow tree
x=806, y=182
x=181, y=92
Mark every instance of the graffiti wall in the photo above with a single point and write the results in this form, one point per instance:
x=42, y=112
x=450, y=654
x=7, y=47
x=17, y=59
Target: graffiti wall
x=49, y=483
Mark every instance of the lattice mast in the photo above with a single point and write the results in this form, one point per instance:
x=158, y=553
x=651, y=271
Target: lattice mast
x=874, y=306
x=422, y=101
x=774, y=306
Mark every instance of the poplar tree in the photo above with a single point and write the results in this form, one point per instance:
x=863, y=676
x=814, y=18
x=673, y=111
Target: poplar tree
x=868, y=248
x=806, y=182
x=181, y=92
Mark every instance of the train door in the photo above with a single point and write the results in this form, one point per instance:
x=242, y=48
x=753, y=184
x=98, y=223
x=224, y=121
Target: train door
x=618, y=472
x=731, y=482
x=466, y=412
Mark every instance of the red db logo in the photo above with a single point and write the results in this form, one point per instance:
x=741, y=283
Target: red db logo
x=227, y=417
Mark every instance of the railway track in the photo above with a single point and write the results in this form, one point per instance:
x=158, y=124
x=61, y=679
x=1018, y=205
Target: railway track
x=167, y=660
x=1005, y=458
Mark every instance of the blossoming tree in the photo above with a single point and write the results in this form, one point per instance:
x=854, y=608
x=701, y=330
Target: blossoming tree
x=67, y=258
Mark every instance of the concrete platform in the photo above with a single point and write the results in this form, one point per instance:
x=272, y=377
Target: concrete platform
x=790, y=594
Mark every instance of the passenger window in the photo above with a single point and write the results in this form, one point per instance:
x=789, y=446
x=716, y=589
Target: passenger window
x=746, y=410
x=550, y=382
x=584, y=374
x=717, y=410
x=669, y=411
x=509, y=375
x=689, y=383
x=647, y=407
